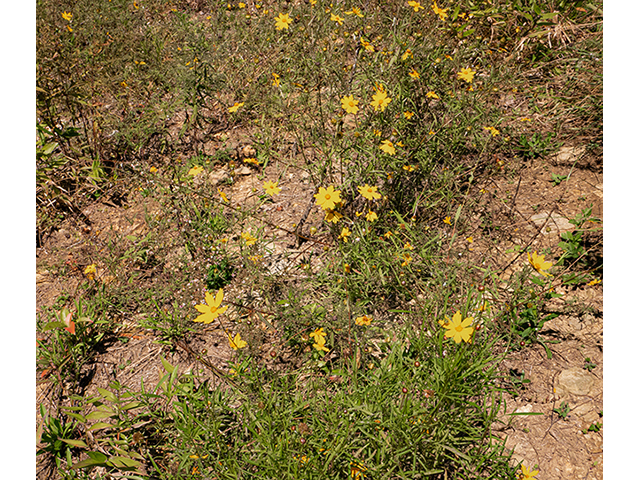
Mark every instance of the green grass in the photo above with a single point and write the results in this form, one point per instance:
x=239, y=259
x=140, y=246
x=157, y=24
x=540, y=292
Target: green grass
x=130, y=98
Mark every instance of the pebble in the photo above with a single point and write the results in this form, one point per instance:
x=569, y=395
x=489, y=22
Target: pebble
x=576, y=381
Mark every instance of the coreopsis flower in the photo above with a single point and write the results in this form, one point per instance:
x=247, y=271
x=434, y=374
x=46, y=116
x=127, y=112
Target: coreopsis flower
x=415, y=5
x=212, y=309
x=235, y=107
x=282, y=21
x=380, y=100
x=368, y=192
x=406, y=259
x=367, y=46
x=332, y=216
x=271, y=188
x=414, y=73
x=526, y=474
x=196, y=170
x=337, y=18
x=447, y=220
x=387, y=147
x=276, y=80
x=248, y=238
x=345, y=234
x=466, y=74
x=409, y=168
x=537, y=262
x=236, y=342
x=494, y=131
x=457, y=328
x=441, y=12
x=432, y=95
x=349, y=104
x=355, y=11
x=363, y=320
x=153, y=170
x=371, y=216
x=67, y=16
x=327, y=198
x=223, y=196
x=319, y=337
x=407, y=54
x=90, y=271
x=408, y=115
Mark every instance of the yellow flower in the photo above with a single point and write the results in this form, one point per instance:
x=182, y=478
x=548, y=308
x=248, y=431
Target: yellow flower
x=526, y=474
x=318, y=335
x=406, y=259
x=212, y=309
x=432, y=95
x=347, y=268
x=367, y=46
x=408, y=246
x=241, y=5
x=594, y=282
x=377, y=132
x=457, y=328
x=447, y=220
x=357, y=471
x=408, y=115
x=537, y=262
x=407, y=54
x=416, y=5
x=370, y=193
x=380, y=100
x=441, y=12
x=345, y=233
x=466, y=74
x=355, y=11
x=409, y=168
x=71, y=30
x=90, y=271
x=363, y=320
x=67, y=16
x=223, y=196
x=251, y=160
x=349, y=104
x=371, y=216
x=237, y=342
x=327, y=198
x=235, y=107
x=282, y=21
x=414, y=73
x=388, y=234
x=196, y=170
x=248, y=238
x=276, y=80
x=493, y=131
x=153, y=170
x=332, y=216
x=271, y=188
x=337, y=18
x=387, y=147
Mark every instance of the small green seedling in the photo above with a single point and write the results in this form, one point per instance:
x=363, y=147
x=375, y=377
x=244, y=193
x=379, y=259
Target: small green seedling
x=557, y=179
x=563, y=410
x=594, y=427
x=588, y=364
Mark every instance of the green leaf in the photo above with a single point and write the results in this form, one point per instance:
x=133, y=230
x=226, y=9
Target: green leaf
x=167, y=366
x=95, y=459
x=75, y=443
x=100, y=414
x=130, y=405
x=107, y=395
x=100, y=425
x=77, y=416
x=123, y=462
x=52, y=325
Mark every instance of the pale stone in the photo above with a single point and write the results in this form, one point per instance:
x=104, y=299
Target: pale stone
x=552, y=223
x=576, y=381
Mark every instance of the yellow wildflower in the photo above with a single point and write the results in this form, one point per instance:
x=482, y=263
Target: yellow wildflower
x=67, y=16
x=527, y=474
x=537, y=262
x=235, y=107
x=153, y=170
x=367, y=46
x=248, y=238
x=271, y=188
x=368, y=192
x=237, y=342
x=493, y=130
x=90, y=271
x=355, y=11
x=441, y=12
x=345, y=234
x=196, y=170
x=363, y=320
x=409, y=168
x=414, y=73
x=276, y=80
x=251, y=160
x=387, y=147
x=349, y=104
x=416, y=5
x=432, y=95
x=407, y=54
x=371, y=216
x=380, y=100
x=327, y=198
x=332, y=216
x=466, y=74
x=212, y=309
x=408, y=246
x=282, y=21
x=447, y=220
x=223, y=196
x=457, y=328
x=337, y=18
x=408, y=115
x=406, y=259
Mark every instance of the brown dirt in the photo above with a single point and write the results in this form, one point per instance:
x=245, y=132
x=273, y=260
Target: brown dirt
x=559, y=447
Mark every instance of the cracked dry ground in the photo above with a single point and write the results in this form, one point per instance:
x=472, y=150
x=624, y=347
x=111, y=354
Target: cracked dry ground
x=531, y=211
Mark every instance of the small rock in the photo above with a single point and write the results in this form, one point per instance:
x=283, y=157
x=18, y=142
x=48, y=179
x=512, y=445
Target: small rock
x=525, y=408
x=218, y=176
x=552, y=223
x=248, y=151
x=244, y=171
x=575, y=381
x=569, y=154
